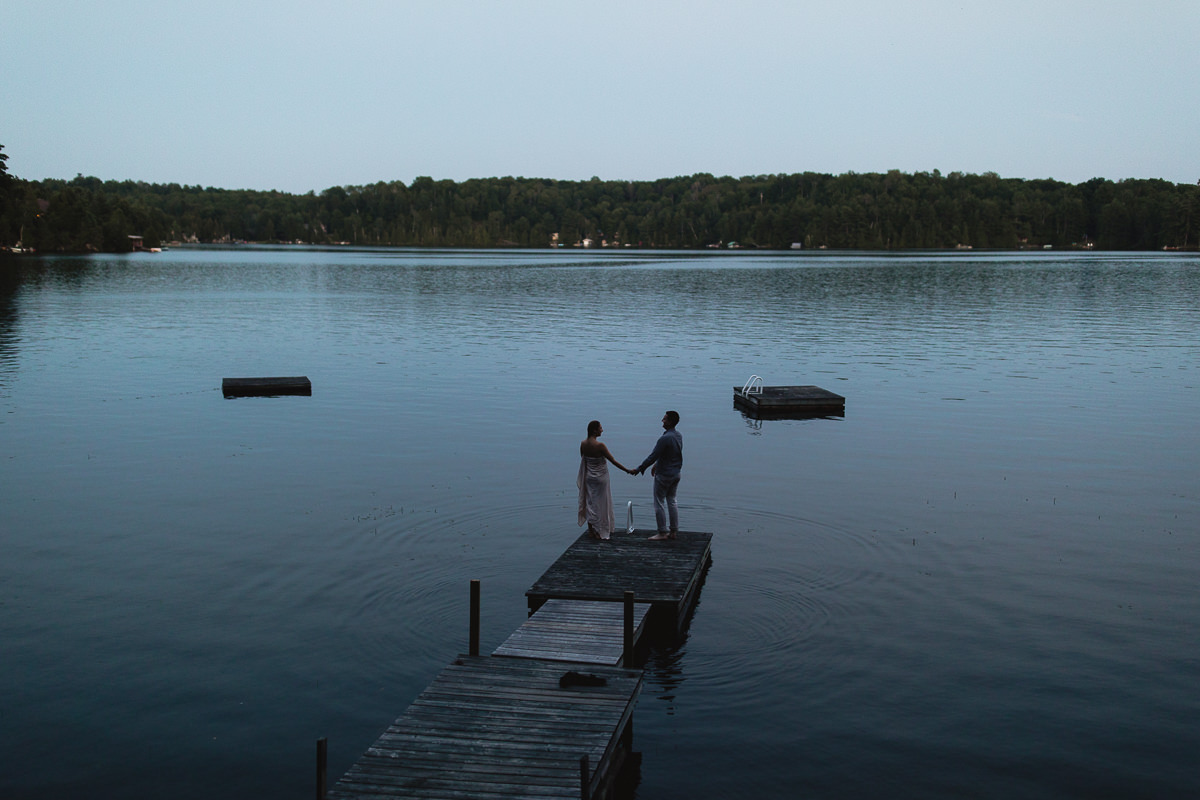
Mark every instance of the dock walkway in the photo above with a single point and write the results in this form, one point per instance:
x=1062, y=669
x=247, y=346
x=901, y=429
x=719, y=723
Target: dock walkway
x=549, y=713
x=501, y=727
x=665, y=574
x=590, y=632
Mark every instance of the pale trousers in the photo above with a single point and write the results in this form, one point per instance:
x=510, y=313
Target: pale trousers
x=666, y=509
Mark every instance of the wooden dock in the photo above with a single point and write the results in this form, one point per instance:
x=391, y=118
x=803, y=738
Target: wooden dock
x=591, y=632
x=666, y=574
x=491, y=727
x=266, y=387
x=549, y=713
x=765, y=402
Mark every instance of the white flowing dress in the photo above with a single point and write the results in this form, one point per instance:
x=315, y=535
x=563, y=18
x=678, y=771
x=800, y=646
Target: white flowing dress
x=595, y=496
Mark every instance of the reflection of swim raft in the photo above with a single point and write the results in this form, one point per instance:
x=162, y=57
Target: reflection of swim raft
x=785, y=401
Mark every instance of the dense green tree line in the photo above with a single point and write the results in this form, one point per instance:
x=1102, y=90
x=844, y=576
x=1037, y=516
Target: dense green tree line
x=858, y=211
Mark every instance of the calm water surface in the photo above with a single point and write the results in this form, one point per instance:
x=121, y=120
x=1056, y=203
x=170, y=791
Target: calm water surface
x=981, y=582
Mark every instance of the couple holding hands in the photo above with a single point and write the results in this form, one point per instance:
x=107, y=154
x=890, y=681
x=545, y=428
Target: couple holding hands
x=595, y=497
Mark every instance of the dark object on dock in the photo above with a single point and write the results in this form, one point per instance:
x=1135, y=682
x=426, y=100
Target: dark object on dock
x=573, y=678
x=502, y=727
x=666, y=574
x=266, y=387
x=786, y=401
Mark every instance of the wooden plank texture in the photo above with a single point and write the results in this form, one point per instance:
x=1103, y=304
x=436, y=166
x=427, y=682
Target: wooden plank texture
x=499, y=727
x=575, y=630
x=665, y=574
x=516, y=724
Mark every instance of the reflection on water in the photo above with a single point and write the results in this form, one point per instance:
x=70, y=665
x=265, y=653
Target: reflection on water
x=664, y=673
x=9, y=284
x=979, y=581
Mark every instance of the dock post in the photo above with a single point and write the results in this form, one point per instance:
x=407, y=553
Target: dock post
x=322, y=769
x=584, y=778
x=627, y=657
x=474, y=618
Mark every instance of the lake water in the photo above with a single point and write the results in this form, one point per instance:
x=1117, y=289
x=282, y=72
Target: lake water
x=980, y=582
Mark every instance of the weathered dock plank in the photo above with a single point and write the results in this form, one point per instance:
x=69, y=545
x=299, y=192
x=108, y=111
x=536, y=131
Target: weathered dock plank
x=266, y=387
x=500, y=727
x=666, y=574
x=788, y=400
x=586, y=631
x=549, y=714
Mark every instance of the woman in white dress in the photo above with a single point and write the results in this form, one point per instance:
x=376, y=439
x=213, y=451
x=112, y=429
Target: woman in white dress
x=595, y=497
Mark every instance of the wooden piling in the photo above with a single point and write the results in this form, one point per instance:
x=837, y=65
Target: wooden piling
x=474, y=640
x=627, y=658
x=322, y=767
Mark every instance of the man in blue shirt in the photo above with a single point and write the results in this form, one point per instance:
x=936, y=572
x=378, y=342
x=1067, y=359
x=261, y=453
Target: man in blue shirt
x=667, y=459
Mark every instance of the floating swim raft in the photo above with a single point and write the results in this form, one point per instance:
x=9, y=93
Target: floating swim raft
x=266, y=387
x=783, y=401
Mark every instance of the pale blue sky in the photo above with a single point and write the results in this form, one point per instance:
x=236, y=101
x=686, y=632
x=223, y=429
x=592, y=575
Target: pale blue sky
x=303, y=95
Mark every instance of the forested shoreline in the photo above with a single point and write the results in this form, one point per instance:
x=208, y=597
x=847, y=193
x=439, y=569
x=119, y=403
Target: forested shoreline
x=867, y=211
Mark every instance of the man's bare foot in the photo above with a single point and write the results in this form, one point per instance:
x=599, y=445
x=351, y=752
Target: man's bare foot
x=658, y=537
x=672, y=535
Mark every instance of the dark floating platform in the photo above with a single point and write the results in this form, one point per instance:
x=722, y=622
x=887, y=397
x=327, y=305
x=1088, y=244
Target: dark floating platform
x=784, y=402
x=266, y=387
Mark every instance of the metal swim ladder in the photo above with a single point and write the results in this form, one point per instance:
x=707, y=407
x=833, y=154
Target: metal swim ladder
x=753, y=385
